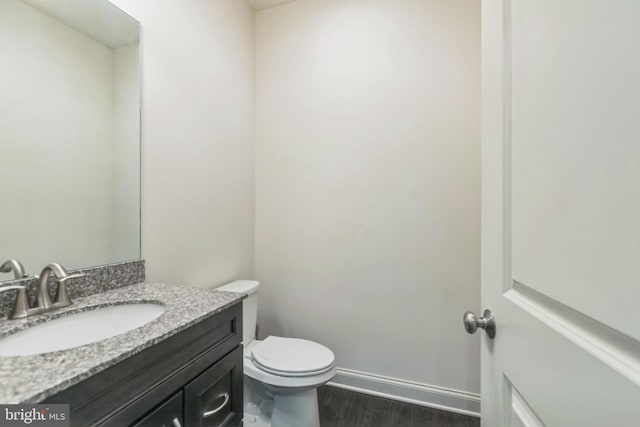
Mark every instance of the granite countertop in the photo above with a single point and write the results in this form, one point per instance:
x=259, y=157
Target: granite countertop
x=31, y=379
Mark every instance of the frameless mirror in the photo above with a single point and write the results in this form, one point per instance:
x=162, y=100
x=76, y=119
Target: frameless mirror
x=69, y=133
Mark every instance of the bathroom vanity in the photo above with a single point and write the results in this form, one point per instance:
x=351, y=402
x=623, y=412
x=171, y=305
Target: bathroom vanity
x=182, y=369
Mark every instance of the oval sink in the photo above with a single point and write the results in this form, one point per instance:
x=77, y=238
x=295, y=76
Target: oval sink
x=74, y=330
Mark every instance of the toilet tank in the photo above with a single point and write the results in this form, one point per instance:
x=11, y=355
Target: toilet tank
x=249, y=306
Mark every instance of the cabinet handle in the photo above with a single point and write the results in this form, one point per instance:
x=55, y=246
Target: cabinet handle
x=218, y=409
x=176, y=422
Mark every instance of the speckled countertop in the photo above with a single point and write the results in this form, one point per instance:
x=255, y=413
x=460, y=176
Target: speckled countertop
x=30, y=379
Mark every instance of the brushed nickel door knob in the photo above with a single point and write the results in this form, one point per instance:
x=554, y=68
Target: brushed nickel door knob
x=486, y=322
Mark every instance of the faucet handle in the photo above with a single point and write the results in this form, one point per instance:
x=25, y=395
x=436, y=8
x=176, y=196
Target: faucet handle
x=21, y=304
x=71, y=276
x=62, y=296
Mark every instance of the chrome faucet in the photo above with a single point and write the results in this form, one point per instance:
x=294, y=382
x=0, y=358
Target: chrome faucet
x=21, y=307
x=13, y=265
x=43, y=299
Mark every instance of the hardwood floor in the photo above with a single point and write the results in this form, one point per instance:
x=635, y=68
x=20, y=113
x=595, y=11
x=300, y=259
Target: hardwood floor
x=343, y=408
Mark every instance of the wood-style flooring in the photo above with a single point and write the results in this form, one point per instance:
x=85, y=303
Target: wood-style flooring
x=343, y=408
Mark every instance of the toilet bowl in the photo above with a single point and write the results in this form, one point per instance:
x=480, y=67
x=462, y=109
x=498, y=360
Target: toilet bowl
x=281, y=375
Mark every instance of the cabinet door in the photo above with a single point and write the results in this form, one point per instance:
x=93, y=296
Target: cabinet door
x=214, y=398
x=168, y=414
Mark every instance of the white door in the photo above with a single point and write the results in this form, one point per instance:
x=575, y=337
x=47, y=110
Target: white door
x=561, y=212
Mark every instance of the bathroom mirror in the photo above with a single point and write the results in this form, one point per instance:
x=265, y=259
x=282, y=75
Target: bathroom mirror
x=69, y=133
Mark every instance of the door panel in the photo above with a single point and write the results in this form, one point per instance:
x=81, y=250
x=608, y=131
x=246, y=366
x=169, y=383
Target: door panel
x=575, y=150
x=561, y=212
x=521, y=413
x=215, y=397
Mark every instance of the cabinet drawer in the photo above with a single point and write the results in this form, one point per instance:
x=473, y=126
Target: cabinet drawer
x=168, y=414
x=214, y=398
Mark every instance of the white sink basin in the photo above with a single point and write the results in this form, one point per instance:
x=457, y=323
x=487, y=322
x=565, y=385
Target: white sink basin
x=74, y=330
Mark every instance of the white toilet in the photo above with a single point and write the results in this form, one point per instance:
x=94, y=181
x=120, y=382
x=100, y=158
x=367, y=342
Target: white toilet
x=281, y=375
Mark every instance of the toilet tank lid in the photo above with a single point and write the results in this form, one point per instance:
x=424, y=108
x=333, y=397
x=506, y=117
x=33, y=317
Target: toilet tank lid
x=241, y=287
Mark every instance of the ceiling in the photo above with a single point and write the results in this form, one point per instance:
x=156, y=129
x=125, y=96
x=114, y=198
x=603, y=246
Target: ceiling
x=265, y=4
x=99, y=20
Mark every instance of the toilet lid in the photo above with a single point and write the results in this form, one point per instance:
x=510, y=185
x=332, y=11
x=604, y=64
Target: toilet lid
x=292, y=356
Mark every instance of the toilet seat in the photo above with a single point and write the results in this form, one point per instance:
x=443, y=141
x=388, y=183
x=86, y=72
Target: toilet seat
x=292, y=357
x=308, y=380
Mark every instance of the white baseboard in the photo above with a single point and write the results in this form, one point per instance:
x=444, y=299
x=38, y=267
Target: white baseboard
x=460, y=402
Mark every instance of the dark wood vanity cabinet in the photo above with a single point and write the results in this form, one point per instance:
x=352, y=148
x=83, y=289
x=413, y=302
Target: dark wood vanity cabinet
x=168, y=414
x=213, y=398
x=192, y=379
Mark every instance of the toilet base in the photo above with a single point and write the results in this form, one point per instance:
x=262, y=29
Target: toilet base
x=296, y=409
x=269, y=406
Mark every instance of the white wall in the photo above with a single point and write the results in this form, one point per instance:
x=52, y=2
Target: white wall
x=125, y=203
x=55, y=126
x=367, y=182
x=197, y=139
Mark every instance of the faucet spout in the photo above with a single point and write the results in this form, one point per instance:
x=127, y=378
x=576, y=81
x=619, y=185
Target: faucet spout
x=43, y=298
